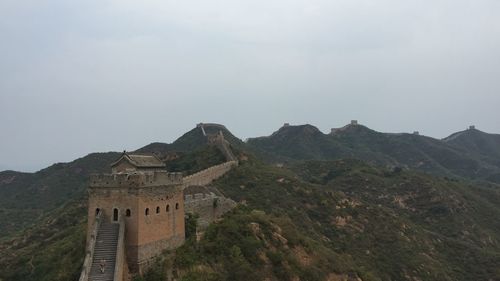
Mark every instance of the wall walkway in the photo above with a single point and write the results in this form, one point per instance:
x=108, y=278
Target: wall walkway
x=207, y=176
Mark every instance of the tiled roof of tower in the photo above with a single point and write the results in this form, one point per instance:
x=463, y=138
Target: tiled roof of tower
x=141, y=161
x=146, y=161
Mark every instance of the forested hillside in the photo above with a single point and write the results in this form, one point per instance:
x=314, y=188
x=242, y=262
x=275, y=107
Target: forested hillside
x=368, y=215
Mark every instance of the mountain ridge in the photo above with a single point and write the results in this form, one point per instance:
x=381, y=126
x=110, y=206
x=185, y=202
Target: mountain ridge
x=318, y=219
x=357, y=141
x=25, y=196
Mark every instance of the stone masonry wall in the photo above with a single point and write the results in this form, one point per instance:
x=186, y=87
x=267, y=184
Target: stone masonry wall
x=208, y=207
x=207, y=176
x=145, y=226
x=152, y=205
x=121, y=266
x=156, y=178
x=89, y=252
x=226, y=151
x=161, y=228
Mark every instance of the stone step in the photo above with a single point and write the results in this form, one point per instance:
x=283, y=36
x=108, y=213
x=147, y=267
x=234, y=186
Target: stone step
x=105, y=249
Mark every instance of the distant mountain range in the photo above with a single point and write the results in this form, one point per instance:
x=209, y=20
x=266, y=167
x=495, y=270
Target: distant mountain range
x=351, y=204
x=469, y=154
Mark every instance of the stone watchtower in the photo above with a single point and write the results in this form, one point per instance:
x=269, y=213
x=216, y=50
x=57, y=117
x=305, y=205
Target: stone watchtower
x=146, y=200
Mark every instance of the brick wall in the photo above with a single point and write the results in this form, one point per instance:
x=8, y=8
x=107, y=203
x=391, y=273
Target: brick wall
x=164, y=229
x=207, y=176
x=208, y=207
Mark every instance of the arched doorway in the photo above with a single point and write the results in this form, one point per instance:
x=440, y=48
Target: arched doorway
x=115, y=214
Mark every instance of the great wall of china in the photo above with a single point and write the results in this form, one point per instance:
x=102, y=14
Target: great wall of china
x=208, y=175
x=135, y=214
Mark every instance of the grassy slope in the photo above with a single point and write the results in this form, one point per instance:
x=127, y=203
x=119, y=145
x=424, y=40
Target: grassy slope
x=319, y=220
x=479, y=142
x=60, y=232
x=454, y=224
x=353, y=219
x=485, y=147
x=24, y=198
x=50, y=250
x=201, y=158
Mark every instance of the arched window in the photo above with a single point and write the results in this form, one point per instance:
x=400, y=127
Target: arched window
x=157, y=210
x=147, y=212
x=176, y=206
x=97, y=211
x=167, y=208
x=115, y=214
x=127, y=213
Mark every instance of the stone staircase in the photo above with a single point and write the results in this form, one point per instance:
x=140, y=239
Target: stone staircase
x=105, y=249
x=223, y=146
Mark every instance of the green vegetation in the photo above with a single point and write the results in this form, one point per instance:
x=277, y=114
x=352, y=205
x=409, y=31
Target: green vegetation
x=465, y=156
x=194, y=139
x=332, y=219
x=26, y=198
x=318, y=219
x=484, y=146
x=51, y=250
x=200, y=159
x=390, y=225
x=248, y=245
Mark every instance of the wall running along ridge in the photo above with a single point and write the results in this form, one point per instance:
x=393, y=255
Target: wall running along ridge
x=207, y=176
x=149, y=206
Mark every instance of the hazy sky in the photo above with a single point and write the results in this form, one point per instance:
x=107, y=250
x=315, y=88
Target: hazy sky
x=85, y=76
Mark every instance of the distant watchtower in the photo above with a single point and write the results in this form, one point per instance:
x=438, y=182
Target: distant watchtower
x=354, y=122
x=472, y=127
x=146, y=199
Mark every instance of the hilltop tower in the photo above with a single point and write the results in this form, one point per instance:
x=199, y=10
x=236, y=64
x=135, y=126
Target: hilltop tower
x=145, y=201
x=138, y=211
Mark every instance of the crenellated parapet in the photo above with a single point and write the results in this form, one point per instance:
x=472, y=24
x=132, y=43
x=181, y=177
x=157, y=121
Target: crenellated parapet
x=208, y=205
x=136, y=179
x=151, y=206
x=207, y=176
x=148, y=203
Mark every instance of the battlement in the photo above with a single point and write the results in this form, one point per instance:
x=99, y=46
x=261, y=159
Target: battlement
x=136, y=180
x=208, y=175
x=151, y=204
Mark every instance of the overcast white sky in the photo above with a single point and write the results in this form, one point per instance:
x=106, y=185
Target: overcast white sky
x=99, y=75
